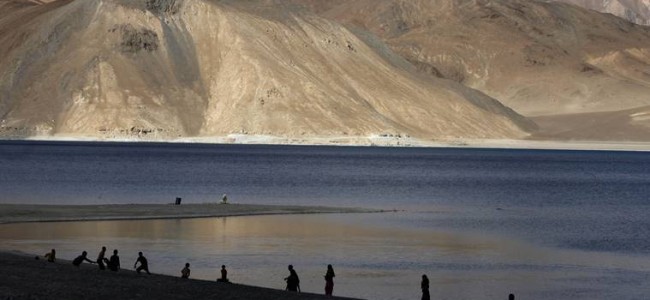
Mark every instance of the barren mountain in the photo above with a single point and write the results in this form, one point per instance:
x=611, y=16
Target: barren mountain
x=538, y=58
x=636, y=11
x=165, y=68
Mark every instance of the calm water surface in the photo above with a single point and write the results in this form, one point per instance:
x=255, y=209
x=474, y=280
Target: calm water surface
x=480, y=223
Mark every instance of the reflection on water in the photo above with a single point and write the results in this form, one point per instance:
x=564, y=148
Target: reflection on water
x=371, y=261
x=482, y=223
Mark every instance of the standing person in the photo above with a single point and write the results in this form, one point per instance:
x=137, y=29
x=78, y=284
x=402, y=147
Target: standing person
x=101, y=258
x=51, y=256
x=329, y=280
x=114, y=263
x=144, y=265
x=425, y=288
x=224, y=275
x=511, y=297
x=293, y=282
x=185, y=272
x=77, y=261
x=224, y=199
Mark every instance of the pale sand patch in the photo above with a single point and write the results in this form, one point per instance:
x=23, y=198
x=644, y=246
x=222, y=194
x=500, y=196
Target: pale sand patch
x=632, y=125
x=18, y=213
x=375, y=140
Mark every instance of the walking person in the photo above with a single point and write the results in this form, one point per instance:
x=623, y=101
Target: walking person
x=144, y=265
x=77, y=261
x=101, y=258
x=425, y=288
x=329, y=280
x=293, y=281
x=114, y=263
x=185, y=272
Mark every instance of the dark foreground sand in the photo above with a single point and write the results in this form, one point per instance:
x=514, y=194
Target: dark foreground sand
x=17, y=213
x=22, y=277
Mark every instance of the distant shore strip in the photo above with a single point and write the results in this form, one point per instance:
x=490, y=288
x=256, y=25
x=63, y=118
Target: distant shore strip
x=26, y=213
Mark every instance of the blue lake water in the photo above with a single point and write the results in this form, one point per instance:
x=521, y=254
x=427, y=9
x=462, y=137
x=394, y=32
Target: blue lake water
x=481, y=223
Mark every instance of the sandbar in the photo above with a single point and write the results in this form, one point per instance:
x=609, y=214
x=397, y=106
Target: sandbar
x=21, y=213
x=25, y=277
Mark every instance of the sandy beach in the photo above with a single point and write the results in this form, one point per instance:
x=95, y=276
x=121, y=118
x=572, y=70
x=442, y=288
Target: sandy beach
x=368, y=141
x=18, y=213
x=24, y=277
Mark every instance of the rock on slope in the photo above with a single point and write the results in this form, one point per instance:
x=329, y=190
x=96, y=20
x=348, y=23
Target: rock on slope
x=166, y=68
x=636, y=11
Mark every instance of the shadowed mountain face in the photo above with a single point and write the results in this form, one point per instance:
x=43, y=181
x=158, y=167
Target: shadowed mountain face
x=540, y=58
x=166, y=68
x=636, y=11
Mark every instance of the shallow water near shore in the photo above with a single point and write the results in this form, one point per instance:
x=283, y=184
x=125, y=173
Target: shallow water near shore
x=480, y=223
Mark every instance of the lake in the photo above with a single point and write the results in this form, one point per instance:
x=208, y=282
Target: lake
x=481, y=223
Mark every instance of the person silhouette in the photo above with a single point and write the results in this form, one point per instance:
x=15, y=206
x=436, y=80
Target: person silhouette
x=425, y=288
x=224, y=275
x=77, y=261
x=114, y=263
x=185, y=272
x=329, y=280
x=51, y=256
x=293, y=281
x=101, y=258
x=511, y=297
x=144, y=265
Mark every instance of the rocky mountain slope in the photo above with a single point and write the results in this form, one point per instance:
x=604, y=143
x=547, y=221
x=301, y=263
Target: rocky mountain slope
x=432, y=69
x=636, y=11
x=539, y=58
x=166, y=69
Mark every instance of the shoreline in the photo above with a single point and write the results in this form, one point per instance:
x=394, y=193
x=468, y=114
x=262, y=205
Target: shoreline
x=24, y=277
x=361, y=141
x=32, y=213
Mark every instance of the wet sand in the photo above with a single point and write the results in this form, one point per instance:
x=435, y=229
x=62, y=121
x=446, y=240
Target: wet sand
x=24, y=277
x=19, y=213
